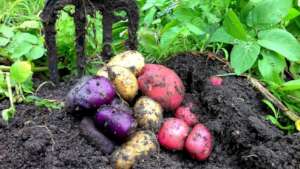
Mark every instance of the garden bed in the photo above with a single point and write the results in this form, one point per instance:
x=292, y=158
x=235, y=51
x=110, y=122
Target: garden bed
x=42, y=138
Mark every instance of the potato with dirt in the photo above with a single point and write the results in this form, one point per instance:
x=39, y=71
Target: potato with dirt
x=116, y=123
x=133, y=60
x=149, y=113
x=199, y=142
x=173, y=133
x=141, y=144
x=89, y=93
x=124, y=81
x=162, y=85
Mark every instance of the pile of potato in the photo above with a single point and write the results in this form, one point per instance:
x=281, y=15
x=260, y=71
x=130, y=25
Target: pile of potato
x=104, y=101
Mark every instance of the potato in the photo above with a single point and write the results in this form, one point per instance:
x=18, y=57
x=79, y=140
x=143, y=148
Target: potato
x=88, y=94
x=199, y=143
x=116, y=123
x=131, y=59
x=162, y=85
x=95, y=137
x=124, y=81
x=103, y=72
x=185, y=113
x=148, y=113
x=141, y=144
x=173, y=133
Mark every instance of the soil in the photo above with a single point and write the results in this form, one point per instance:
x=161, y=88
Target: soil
x=39, y=138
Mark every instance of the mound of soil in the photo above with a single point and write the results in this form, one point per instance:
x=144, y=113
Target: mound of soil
x=39, y=138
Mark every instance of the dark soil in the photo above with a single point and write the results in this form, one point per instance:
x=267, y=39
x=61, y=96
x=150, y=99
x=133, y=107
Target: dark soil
x=40, y=138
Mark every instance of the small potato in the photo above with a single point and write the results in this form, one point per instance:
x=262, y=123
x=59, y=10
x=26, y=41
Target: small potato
x=149, y=113
x=141, y=144
x=124, y=81
x=103, y=72
x=173, y=134
x=131, y=59
x=199, y=143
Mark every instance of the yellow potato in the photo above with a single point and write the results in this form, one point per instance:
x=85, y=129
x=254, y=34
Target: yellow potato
x=141, y=144
x=131, y=59
x=124, y=81
x=149, y=113
x=103, y=72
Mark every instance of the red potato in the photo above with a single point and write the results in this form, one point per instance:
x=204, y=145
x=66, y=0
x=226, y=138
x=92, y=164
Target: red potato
x=216, y=81
x=185, y=113
x=162, y=85
x=199, y=142
x=173, y=133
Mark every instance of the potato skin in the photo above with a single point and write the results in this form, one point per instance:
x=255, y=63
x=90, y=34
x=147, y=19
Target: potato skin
x=162, y=85
x=103, y=72
x=199, y=143
x=115, y=122
x=141, y=144
x=149, y=113
x=95, y=137
x=173, y=133
x=124, y=81
x=89, y=93
x=133, y=60
x=185, y=113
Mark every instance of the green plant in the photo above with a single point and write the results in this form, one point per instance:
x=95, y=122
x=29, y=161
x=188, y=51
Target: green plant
x=264, y=47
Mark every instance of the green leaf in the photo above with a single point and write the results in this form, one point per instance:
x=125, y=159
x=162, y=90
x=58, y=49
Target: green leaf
x=149, y=4
x=20, y=71
x=30, y=25
x=185, y=14
x=281, y=42
x=295, y=70
x=234, y=27
x=148, y=19
x=271, y=106
x=271, y=66
x=222, y=36
x=2, y=80
x=26, y=37
x=35, y=53
x=169, y=36
x=194, y=29
x=268, y=12
x=290, y=85
x=274, y=121
x=6, y=31
x=243, y=56
x=8, y=114
x=20, y=50
x=3, y=41
x=292, y=14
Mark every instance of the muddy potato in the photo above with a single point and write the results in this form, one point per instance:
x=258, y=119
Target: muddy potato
x=124, y=81
x=162, y=84
x=141, y=144
x=149, y=113
x=131, y=59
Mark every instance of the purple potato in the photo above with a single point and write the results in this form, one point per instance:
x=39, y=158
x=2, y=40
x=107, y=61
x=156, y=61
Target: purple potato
x=90, y=93
x=117, y=123
x=95, y=137
x=121, y=105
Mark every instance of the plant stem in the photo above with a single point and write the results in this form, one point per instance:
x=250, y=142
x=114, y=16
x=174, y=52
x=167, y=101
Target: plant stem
x=35, y=69
x=292, y=115
x=10, y=95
